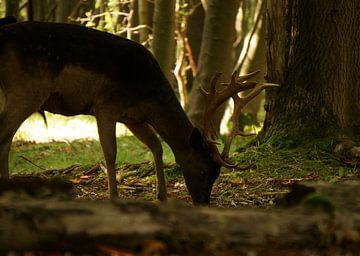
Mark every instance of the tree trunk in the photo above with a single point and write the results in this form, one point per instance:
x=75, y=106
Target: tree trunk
x=215, y=56
x=163, y=44
x=134, y=21
x=12, y=8
x=314, y=53
x=40, y=10
x=195, y=27
x=64, y=9
x=80, y=9
x=145, y=19
x=30, y=10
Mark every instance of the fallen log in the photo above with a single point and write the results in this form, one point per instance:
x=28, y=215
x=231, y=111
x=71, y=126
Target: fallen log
x=145, y=228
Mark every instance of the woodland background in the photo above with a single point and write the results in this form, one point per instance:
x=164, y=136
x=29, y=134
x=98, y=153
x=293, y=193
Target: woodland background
x=306, y=130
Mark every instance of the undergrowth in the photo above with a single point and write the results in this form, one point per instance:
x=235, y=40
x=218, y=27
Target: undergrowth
x=283, y=159
x=276, y=164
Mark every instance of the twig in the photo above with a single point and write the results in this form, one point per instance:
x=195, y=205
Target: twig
x=131, y=29
x=31, y=162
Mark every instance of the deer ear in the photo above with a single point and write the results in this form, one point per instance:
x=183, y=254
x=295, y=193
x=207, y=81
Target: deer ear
x=196, y=139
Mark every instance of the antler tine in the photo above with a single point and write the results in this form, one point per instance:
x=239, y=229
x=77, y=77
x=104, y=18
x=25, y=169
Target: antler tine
x=238, y=84
x=210, y=107
x=215, y=99
x=235, y=86
x=239, y=104
x=246, y=77
x=258, y=88
x=213, y=83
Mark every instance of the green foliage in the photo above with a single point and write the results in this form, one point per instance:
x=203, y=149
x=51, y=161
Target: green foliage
x=247, y=119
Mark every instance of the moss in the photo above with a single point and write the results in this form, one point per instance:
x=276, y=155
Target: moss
x=319, y=201
x=280, y=157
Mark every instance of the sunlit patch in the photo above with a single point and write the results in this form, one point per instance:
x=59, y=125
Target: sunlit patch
x=61, y=128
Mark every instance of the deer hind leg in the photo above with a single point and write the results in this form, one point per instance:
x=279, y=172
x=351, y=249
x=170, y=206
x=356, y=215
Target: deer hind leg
x=145, y=134
x=5, y=145
x=107, y=136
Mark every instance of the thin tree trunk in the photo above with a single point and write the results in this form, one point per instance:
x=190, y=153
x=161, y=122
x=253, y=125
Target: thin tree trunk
x=80, y=9
x=143, y=6
x=314, y=53
x=64, y=9
x=40, y=10
x=164, y=31
x=195, y=26
x=12, y=8
x=30, y=10
x=215, y=56
x=134, y=21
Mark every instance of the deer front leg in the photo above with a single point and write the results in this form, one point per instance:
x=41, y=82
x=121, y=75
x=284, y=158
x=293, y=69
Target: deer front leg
x=10, y=121
x=145, y=134
x=106, y=130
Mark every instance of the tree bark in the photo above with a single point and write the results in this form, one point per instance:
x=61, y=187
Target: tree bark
x=63, y=10
x=80, y=9
x=314, y=55
x=215, y=56
x=311, y=227
x=12, y=8
x=134, y=20
x=163, y=36
x=145, y=18
x=195, y=27
x=40, y=10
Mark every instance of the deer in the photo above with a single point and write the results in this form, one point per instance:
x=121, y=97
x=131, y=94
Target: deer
x=69, y=69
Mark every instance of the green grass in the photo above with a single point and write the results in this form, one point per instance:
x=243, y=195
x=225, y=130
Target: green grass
x=62, y=153
x=274, y=160
x=58, y=155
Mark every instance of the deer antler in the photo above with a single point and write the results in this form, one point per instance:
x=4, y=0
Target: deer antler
x=215, y=99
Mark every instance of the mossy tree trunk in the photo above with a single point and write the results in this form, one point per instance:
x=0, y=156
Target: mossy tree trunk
x=215, y=56
x=314, y=53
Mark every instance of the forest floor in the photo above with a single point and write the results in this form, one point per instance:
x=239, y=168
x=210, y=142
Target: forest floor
x=276, y=170
x=277, y=165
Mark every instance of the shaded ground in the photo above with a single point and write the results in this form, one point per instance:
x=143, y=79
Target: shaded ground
x=137, y=181
x=276, y=169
